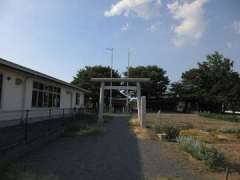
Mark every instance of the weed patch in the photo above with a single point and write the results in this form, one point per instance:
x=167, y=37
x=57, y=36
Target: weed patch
x=91, y=131
x=86, y=131
x=9, y=171
x=171, y=131
x=202, y=151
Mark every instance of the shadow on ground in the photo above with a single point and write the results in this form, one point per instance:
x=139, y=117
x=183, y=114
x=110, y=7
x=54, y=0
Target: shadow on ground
x=114, y=155
x=118, y=154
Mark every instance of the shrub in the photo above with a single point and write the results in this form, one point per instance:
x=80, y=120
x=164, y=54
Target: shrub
x=202, y=151
x=171, y=131
x=92, y=131
x=88, y=131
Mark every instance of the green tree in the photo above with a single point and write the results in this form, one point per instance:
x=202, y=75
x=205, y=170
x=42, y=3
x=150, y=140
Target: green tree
x=213, y=84
x=83, y=79
x=158, y=84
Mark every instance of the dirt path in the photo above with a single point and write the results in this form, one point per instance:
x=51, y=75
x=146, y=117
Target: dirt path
x=118, y=154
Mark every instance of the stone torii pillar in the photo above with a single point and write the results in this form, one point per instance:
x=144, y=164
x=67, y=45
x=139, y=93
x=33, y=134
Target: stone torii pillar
x=139, y=100
x=143, y=112
x=101, y=103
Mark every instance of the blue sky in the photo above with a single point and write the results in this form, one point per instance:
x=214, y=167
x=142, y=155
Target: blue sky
x=58, y=37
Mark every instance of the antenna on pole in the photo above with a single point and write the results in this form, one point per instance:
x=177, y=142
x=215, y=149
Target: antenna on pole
x=111, y=74
x=127, y=102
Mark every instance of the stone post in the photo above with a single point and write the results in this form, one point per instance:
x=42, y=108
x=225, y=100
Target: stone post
x=139, y=100
x=143, y=112
x=101, y=103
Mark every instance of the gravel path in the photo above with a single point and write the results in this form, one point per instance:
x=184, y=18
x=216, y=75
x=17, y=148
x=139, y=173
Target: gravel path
x=115, y=155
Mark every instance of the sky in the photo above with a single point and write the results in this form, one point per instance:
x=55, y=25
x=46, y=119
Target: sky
x=59, y=37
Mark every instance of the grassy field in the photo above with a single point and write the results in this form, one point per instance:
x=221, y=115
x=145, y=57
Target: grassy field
x=222, y=136
x=224, y=117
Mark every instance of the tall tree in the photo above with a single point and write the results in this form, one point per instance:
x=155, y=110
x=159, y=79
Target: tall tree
x=158, y=84
x=83, y=79
x=213, y=83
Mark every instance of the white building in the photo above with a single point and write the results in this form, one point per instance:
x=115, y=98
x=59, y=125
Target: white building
x=23, y=89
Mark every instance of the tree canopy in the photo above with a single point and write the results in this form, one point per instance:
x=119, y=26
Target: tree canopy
x=158, y=84
x=213, y=83
x=83, y=79
x=155, y=88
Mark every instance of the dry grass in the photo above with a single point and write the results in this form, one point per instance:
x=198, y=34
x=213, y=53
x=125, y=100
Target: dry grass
x=162, y=178
x=232, y=154
x=190, y=120
x=207, y=130
x=140, y=132
x=213, y=137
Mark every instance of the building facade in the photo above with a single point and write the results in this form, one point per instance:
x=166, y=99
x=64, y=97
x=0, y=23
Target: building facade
x=23, y=89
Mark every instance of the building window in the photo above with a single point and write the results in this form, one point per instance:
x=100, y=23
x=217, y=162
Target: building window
x=1, y=82
x=77, y=98
x=44, y=95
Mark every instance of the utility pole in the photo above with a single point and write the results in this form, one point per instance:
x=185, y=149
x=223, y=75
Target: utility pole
x=111, y=74
x=127, y=103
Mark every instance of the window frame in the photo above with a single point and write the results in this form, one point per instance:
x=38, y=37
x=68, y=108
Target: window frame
x=46, y=92
x=77, y=99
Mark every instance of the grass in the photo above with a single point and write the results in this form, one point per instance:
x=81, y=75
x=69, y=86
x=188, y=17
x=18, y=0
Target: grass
x=75, y=130
x=162, y=178
x=202, y=151
x=9, y=171
x=91, y=131
x=141, y=133
x=224, y=117
x=86, y=127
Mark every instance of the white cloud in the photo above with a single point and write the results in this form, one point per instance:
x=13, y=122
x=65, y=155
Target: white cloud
x=125, y=27
x=191, y=20
x=142, y=8
x=229, y=45
x=154, y=27
x=236, y=26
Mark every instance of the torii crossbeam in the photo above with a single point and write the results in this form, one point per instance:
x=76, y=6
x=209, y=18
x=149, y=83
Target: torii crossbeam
x=103, y=87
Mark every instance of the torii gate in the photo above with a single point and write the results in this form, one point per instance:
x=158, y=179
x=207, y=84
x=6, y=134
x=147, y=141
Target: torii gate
x=137, y=88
